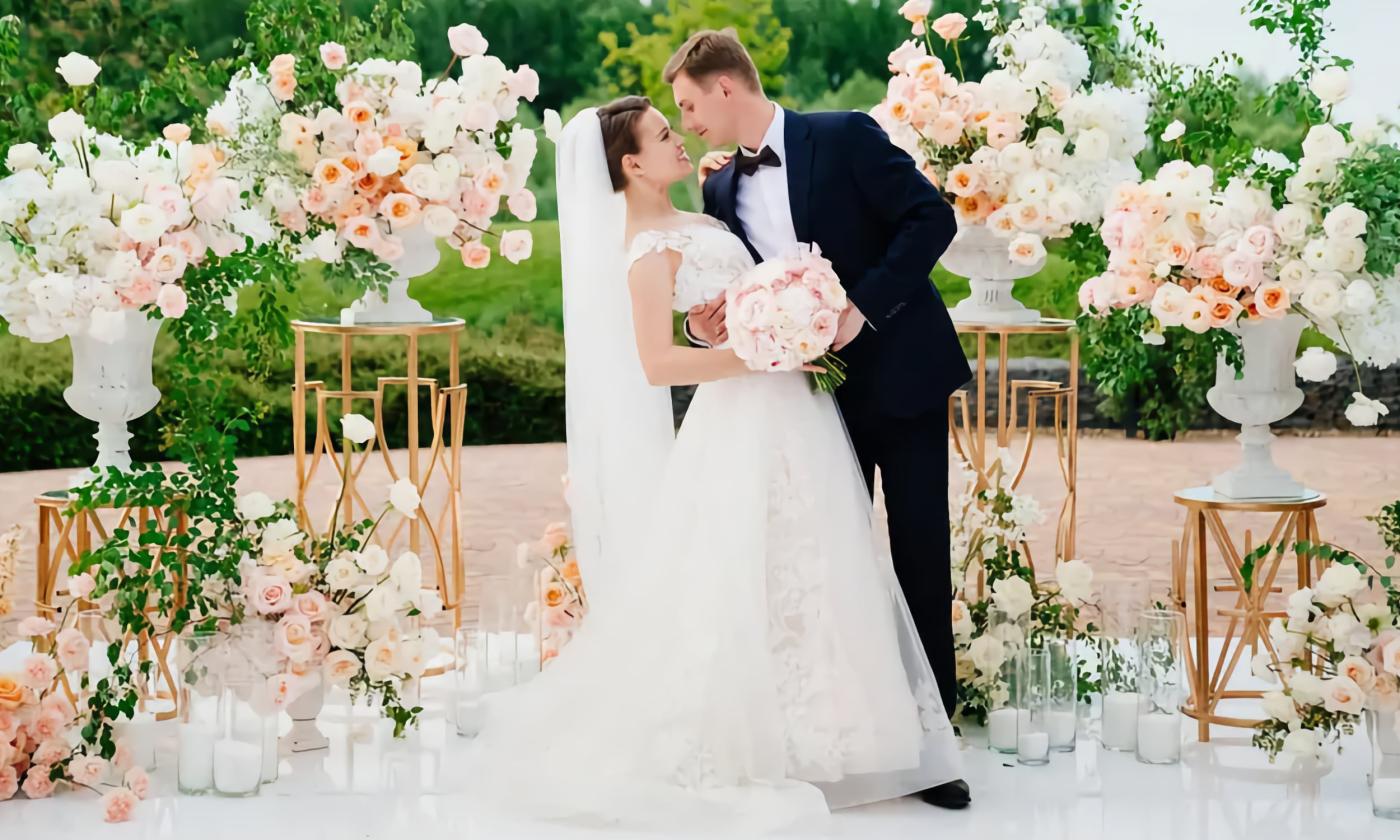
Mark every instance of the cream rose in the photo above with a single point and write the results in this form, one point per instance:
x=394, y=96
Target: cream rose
x=1342, y=694
x=271, y=593
x=380, y=658
x=340, y=667
x=293, y=638
x=348, y=631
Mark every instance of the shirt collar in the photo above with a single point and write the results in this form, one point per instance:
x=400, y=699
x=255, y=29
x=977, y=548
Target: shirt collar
x=773, y=137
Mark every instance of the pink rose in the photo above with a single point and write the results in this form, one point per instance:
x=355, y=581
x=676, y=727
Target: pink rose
x=37, y=784
x=556, y=536
x=1205, y=264
x=293, y=638
x=117, y=805
x=57, y=703
x=1376, y=655
x=1258, y=242
x=284, y=63
x=516, y=245
x=947, y=128
x=189, y=244
x=177, y=133
x=9, y=721
x=333, y=56
x=38, y=671
x=9, y=782
x=824, y=326
x=47, y=725
x=1243, y=270
x=72, y=648
x=466, y=40
x=910, y=50
x=81, y=586
x=475, y=254
x=915, y=11
x=524, y=83
x=172, y=301
x=272, y=594
x=213, y=199
x=312, y=605
x=752, y=308
x=35, y=625
x=51, y=751
x=87, y=769
x=138, y=782
x=949, y=26
x=340, y=666
x=559, y=616
x=522, y=204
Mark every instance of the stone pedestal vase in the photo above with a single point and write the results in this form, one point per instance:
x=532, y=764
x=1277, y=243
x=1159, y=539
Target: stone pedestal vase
x=983, y=258
x=305, y=735
x=1265, y=394
x=420, y=256
x=112, y=385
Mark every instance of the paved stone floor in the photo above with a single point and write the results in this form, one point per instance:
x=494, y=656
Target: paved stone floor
x=1127, y=519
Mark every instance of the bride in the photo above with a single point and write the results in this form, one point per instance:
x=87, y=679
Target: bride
x=748, y=661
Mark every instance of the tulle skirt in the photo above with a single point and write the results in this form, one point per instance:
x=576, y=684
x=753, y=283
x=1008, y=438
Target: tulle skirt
x=756, y=665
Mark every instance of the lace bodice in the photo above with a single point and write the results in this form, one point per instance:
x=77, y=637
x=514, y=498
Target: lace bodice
x=711, y=259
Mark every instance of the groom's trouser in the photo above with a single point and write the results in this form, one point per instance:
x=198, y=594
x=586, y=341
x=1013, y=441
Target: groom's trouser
x=912, y=454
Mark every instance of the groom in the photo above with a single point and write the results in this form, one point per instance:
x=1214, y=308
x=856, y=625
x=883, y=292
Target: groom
x=835, y=179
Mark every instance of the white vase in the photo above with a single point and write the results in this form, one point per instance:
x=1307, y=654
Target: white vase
x=1265, y=394
x=304, y=735
x=420, y=256
x=112, y=385
x=983, y=258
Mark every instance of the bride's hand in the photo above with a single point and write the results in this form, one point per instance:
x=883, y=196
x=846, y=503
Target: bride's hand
x=712, y=162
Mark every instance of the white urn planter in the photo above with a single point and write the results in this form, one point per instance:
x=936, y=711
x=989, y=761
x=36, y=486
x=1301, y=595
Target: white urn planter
x=112, y=385
x=983, y=258
x=420, y=256
x=305, y=735
x=1265, y=394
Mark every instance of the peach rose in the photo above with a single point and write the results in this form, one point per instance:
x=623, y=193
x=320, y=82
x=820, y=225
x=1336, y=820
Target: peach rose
x=331, y=175
x=553, y=595
x=362, y=232
x=949, y=26
x=964, y=180
x=51, y=751
x=523, y=205
x=973, y=208
x=312, y=605
x=340, y=667
x=407, y=150
x=491, y=182
x=176, y=133
x=947, y=128
x=401, y=209
x=87, y=769
x=38, y=671
x=1195, y=314
x=475, y=255
x=272, y=594
x=1223, y=311
x=72, y=648
x=517, y=245
x=117, y=805
x=47, y=725
x=293, y=638
x=37, y=784
x=1271, y=300
x=284, y=63
x=556, y=536
x=283, y=86
x=333, y=56
x=9, y=782
x=137, y=782
x=58, y=703
x=1390, y=657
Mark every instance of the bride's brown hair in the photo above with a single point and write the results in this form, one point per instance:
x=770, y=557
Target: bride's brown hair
x=619, y=119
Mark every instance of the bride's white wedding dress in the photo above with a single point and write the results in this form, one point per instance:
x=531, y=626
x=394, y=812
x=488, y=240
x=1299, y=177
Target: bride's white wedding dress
x=756, y=664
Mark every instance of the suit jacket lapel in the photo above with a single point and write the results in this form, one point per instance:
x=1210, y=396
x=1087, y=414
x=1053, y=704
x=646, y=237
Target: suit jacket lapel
x=728, y=192
x=797, y=143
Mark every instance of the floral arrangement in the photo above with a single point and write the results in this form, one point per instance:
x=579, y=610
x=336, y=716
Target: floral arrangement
x=39, y=725
x=91, y=226
x=1338, y=655
x=335, y=608
x=784, y=314
x=9, y=558
x=988, y=522
x=390, y=155
x=561, y=602
x=1028, y=151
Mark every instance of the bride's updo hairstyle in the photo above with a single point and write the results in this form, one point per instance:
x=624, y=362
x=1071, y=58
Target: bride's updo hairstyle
x=618, y=119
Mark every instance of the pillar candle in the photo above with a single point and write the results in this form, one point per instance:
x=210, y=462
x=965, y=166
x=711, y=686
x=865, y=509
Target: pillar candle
x=1120, y=720
x=1159, y=739
x=237, y=766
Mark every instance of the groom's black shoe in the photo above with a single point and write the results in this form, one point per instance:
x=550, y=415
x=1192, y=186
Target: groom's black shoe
x=951, y=795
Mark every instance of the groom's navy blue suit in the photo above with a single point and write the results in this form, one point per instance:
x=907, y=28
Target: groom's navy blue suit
x=883, y=226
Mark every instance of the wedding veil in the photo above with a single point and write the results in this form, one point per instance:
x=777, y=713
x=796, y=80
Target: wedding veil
x=619, y=426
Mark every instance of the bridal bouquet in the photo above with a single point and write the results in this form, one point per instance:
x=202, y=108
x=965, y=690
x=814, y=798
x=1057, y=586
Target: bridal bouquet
x=1028, y=151
x=561, y=602
x=91, y=226
x=391, y=156
x=784, y=313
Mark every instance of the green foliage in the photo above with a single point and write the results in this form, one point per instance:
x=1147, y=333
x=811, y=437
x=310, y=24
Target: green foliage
x=1371, y=181
x=1388, y=523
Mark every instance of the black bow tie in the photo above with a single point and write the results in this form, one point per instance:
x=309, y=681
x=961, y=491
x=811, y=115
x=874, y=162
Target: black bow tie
x=749, y=164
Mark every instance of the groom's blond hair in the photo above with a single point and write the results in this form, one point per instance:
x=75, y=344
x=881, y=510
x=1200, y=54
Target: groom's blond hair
x=711, y=53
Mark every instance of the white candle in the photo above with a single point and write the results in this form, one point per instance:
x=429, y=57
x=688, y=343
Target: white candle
x=270, y=756
x=1001, y=729
x=237, y=766
x=1385, y=794
x=1033, y=746
x=196, y=767
x=1120, y=720
x=469, y=718
x=1061, y=726
x=1159, y=739
x=347, y=317
x=140, y=736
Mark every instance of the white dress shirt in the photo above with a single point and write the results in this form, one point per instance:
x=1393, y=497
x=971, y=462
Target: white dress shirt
x=762, y=203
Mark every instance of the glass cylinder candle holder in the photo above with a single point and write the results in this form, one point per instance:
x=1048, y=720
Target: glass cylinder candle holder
x=198, y=725
x=1161, y=686
x=468, y=680
x=242, y=734
x=1062, y=704
x=1003, y=715
x=1383, y=729
x=1032, y=703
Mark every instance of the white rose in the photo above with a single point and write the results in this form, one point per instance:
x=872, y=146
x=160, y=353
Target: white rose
x=407, y=573
x=382, y=602
x=553, y=125
x=1307, y=688
x=77, y=69
x=384, y=162
x=1291, y=223
x=403, y=496
x=144, y=223
x=381, y=656
x=1365, y=411
x=424, y=181
x=23, y=156
x=67, y=127
x=1300, y=606
x=373, y=560
x=1324, y=143
x=1360, y=297
x=341, y=574
x=466, y=40
x=1343, y=695
x=1262, y=667
x=1315, y=365
x=280, y=537
x=1013, y=596
x=1348, y=634
x=429, y=602
x=1076, y=579
x=1015, y=158
x=1345, y=221
x=1294, y=275
x=1026, y=249
x=1091, y=144
x=255, y=506
x=348, y=631
x=357, y=428
x=1329, y=85
x=327, y=247
x=1322, y=295
x=1280, y=706
x=439, y=220
x=987, y=653
x=1346, y=255
x=1173, y=131
x=1302, y=743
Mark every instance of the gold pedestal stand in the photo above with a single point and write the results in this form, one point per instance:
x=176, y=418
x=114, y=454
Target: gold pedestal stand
x=433, y=466
x=1249, y=616
x=64, y=536
x=1017, y=401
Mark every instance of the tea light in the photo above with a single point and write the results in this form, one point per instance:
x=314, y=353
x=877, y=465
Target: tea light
x=1033, y=747
x=1120, y=720
x=1001, y=729
x=1158, y=739
x=196, y=769
x=1385, y=795
x=470, y=717
x=140, y=736
x=237, y=766
x=1062, y=727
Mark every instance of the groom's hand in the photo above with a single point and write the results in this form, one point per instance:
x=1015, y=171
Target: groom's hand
x=706, y=323
x=712, y=162
x=848, y=327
